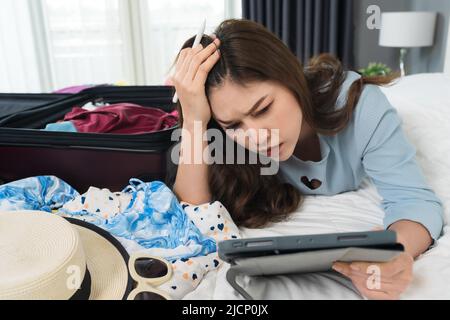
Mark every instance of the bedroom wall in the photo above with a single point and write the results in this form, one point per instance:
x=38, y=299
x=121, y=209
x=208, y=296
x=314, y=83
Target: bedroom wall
x=419, y=59
x=431, y=59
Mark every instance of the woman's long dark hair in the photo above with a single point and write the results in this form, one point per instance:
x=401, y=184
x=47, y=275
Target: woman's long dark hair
x=249, y=52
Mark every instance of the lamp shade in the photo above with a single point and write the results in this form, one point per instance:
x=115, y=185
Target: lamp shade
x=407, y=29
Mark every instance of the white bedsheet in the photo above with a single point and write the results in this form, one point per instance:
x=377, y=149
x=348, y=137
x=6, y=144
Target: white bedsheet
x=423, y=102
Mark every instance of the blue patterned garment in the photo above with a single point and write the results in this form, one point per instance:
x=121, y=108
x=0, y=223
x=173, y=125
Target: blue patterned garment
x=154, y=219
x=40, y=193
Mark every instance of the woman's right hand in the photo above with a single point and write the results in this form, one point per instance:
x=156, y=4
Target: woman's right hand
x=192, y=69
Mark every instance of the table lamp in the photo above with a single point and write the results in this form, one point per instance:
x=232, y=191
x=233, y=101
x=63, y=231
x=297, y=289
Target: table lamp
x=407, y=30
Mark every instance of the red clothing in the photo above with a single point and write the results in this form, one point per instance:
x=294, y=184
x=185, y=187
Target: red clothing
x=122, y=118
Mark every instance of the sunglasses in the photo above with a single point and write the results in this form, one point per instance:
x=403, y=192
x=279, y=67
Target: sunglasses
x=148, y=272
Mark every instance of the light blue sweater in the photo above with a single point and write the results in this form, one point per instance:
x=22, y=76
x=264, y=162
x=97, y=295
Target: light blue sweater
x=374, y=145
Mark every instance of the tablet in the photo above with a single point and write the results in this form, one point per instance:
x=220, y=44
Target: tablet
x=230, y=250
x=304, y=254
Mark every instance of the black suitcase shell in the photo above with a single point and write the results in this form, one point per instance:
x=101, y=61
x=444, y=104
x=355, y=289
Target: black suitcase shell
x=82, y=159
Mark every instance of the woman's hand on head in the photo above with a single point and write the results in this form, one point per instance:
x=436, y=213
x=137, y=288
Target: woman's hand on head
x=379, y=281
x=192, y=69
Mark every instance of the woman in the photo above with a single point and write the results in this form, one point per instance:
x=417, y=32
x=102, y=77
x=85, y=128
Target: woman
x=335, y=129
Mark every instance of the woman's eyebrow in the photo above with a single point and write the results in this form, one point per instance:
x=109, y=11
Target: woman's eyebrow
x=257, y=104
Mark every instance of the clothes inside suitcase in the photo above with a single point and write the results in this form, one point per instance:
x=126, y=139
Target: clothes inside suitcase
x=82, y=159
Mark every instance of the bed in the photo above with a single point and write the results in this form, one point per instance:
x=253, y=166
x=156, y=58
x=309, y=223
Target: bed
x=423, y=102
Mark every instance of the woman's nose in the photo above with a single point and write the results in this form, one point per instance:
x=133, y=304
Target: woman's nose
x=259, y=136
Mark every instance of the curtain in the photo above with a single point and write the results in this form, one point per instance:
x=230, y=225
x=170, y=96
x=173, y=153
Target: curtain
x=308, y=27
x=19, y=67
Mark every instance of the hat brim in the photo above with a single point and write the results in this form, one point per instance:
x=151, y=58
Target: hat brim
x=106, y=261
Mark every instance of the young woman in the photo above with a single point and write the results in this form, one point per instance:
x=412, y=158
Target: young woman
x=335, y=129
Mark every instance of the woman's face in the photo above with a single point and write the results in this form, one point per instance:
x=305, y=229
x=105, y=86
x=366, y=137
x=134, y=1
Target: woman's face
x=268, y=108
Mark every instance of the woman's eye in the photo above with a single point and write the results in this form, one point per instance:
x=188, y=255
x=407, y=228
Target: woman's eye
x=263, y=111
x=233, y=126
x=259, y=113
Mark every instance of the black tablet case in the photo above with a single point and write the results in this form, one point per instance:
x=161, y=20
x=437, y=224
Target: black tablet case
x=381, y=246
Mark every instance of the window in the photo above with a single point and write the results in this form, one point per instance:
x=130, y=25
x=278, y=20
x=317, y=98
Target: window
x=50, y=44
x=86, y=42
x=168, y=24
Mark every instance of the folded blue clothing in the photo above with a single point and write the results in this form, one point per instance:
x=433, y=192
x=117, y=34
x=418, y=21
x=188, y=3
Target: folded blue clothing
x=151, y=214
x=65, y=126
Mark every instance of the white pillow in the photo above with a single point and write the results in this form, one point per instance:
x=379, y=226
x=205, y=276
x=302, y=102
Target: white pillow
x=423, y=102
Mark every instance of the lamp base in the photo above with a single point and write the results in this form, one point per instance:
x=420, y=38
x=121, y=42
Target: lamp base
x=403, y=53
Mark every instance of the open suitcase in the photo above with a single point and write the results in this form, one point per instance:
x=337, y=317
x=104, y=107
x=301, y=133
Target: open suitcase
x=82, y=159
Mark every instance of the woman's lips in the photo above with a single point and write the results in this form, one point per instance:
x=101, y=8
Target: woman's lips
x=269, y=151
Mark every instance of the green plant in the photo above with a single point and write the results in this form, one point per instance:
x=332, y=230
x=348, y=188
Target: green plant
x=375, y=69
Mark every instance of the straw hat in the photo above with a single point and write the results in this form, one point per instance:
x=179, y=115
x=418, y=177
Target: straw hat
x=46, y=257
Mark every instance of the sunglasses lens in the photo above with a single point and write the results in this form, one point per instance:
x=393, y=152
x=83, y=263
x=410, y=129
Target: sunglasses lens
x=150, y=268
x=149, y=296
